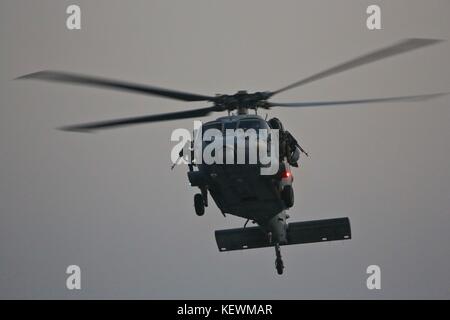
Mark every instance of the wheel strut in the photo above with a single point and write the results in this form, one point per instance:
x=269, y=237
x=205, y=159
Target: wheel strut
x=278, y=261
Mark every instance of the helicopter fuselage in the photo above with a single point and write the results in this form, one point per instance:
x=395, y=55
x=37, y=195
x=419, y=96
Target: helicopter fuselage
x=240, y=189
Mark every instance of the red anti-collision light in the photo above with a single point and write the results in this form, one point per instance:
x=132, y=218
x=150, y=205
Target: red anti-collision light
x=286, y=174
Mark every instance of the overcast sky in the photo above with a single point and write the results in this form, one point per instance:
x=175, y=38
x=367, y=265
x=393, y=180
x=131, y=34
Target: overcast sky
x=109, y=203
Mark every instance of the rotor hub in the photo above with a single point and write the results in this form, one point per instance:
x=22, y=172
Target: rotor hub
x=242, y=101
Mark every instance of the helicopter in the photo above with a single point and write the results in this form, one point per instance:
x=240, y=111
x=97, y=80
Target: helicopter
x=241, y=190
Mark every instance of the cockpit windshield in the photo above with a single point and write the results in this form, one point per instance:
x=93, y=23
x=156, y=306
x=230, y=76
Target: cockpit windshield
x=244, y=124
x=229, y=125
x=255, y=124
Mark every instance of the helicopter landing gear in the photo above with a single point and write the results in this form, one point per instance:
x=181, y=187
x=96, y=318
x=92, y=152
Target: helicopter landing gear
x=199, y=204
x=278, y=261
x=287, y=194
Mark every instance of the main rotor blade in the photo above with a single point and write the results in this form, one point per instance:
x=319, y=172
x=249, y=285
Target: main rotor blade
x=349, y=102
x=138, y=120
x=398, y=48
x=58, y=76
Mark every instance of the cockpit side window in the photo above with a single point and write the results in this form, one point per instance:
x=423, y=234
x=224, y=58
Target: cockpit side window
x=214, y=125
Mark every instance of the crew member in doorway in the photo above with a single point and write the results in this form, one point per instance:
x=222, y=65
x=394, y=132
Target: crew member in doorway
x=290, y=149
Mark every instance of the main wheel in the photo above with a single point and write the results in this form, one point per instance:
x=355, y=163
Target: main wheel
x=199, y=204
x=287, y=194
x=279, y=265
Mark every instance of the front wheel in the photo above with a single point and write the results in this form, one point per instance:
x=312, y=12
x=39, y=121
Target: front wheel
x=279, y=266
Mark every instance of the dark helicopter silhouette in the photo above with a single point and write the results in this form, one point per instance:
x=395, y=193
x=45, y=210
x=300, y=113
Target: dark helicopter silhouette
x=241, y=190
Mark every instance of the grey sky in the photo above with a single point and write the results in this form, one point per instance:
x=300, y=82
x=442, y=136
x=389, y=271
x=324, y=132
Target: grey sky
x=109, y=203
